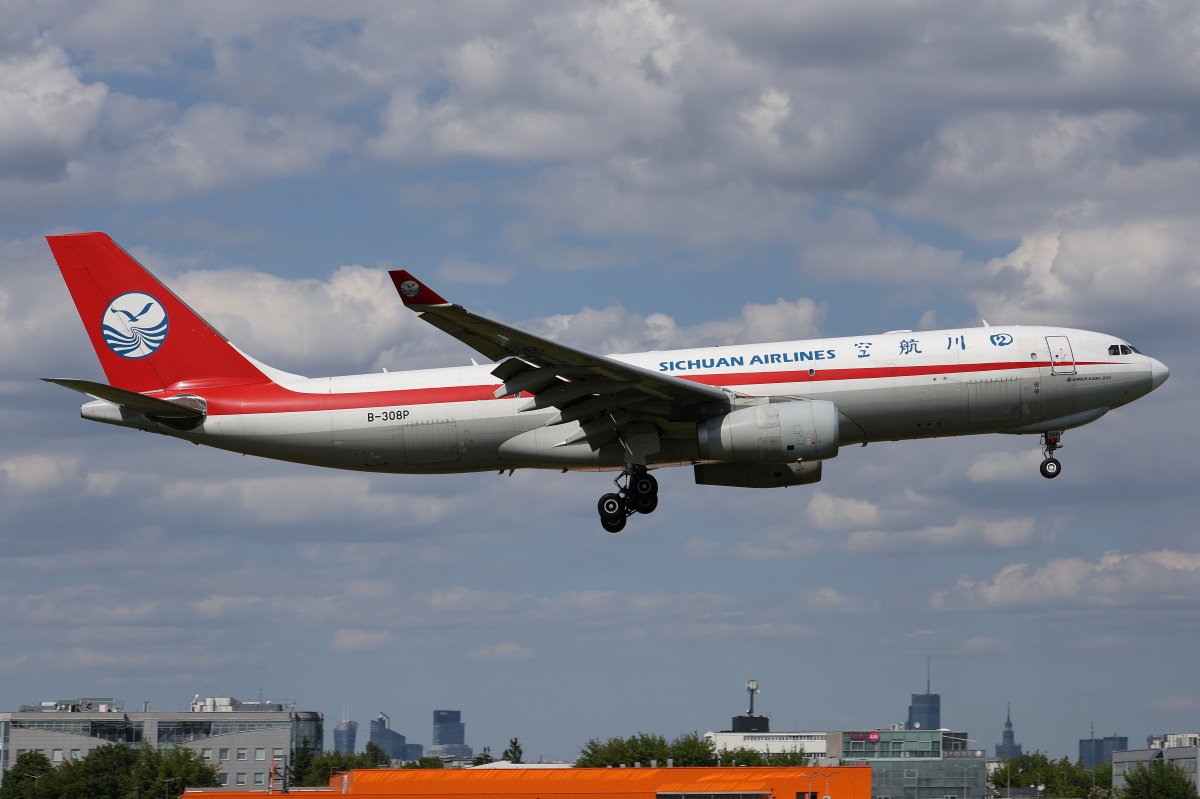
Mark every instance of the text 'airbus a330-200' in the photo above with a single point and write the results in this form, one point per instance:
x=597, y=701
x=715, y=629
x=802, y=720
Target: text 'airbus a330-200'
x=751, y=416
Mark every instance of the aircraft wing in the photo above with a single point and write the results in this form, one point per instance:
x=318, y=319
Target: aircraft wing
x=610, y=399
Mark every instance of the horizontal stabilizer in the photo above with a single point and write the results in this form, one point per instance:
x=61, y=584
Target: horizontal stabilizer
x=129, y=399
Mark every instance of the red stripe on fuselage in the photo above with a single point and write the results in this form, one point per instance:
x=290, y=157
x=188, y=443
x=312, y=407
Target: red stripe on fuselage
x=273, y=398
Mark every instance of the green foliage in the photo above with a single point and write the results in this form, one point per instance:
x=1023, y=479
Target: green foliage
x=1061, y=777
x=689, y=749
x=112, y=771
x=514, y=752
x=426, y=762
x=1163, y=780
x=19, y=779
x=302, y=765
x=375, y=754
x=323, y=766
x=484, y=757
x=693, y=749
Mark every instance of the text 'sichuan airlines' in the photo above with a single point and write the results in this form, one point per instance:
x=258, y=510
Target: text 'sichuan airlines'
x=752, y=416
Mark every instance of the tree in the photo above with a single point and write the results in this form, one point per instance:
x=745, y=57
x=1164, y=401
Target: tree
x=693, y=749
x=1163, y=780
x=19, y=780
x=426, y=762
x=483, y=758
x=742, y=756
x=514, y=752
x=302, y=765
x=375, y=754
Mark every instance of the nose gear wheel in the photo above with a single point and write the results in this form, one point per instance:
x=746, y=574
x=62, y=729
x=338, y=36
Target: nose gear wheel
x=1051, y=441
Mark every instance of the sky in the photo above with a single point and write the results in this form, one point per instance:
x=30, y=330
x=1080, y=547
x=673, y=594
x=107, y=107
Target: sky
x=620, y=176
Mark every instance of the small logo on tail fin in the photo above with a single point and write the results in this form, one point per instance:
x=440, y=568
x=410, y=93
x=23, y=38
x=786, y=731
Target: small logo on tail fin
x=134, y=325
x=410, y=288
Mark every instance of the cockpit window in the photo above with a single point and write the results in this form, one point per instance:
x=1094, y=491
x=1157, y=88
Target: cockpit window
x=1126, y=350
x=1121, y=349
x=1114, y=349
x=1135, y=349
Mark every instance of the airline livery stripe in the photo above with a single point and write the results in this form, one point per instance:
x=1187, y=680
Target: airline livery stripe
x=272, y=398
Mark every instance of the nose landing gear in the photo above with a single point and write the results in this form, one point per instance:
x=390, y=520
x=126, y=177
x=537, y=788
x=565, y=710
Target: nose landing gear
x=1051, y=440
x=639, y=494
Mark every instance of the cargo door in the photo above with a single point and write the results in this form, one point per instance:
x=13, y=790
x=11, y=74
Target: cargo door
x=430, y=442
x=994, y=399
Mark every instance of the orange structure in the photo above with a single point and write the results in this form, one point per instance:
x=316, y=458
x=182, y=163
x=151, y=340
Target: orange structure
x=844, y=782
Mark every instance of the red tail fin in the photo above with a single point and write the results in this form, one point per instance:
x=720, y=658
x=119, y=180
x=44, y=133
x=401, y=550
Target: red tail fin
x=146, y=337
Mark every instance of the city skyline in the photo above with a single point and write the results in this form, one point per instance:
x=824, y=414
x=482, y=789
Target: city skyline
x=620, y=175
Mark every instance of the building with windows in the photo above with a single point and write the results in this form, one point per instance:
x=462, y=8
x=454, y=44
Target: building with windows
x=244, y=740
x=925, y=712
x=811, y=743
x=1182, y=749
x=449, y=735
x=915, y=763
x=1097, y=751
x=393, y=744
x=345, y=735
x=1008, y=748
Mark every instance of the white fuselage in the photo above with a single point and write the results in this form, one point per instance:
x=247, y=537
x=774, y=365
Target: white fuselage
x=894, y=386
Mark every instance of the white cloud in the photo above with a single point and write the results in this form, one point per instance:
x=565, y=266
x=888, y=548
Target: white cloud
x=351, y=640
x=830, y=600
x=964, y=534
x=1003, y=467
x=1174, y=704
x=838, y=513
x=37, y=472
x=501, y=652
x=1116, y=579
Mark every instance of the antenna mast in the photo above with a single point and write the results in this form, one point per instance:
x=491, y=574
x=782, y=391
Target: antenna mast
x=752, y=689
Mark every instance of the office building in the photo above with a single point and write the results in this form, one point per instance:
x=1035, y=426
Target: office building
x=1097, y=751
x=925, y=712
x=393, y=744
x=449, y=735
x=345, y=735
x=413, y=752
x=915, y=763
x=1008, y=748
x=244, y=740
x=1181, y=749
x=811, y=743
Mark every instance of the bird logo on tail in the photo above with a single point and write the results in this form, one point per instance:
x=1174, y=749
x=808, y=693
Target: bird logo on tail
x=134, y=333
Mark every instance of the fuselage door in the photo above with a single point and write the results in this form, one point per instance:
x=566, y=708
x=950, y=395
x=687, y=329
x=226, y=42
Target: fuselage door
x=1062, y=360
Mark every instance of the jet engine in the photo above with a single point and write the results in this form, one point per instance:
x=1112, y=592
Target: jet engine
x=776, y=432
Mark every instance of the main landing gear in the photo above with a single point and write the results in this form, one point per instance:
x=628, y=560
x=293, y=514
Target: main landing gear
x=638, y=495
x=1051, y=440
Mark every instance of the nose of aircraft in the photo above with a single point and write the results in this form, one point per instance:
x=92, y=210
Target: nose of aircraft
x=1158, y=373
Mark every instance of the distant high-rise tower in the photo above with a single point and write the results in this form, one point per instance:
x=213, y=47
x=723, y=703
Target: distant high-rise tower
x=925, y=712
x=1008, y=748
x=449, y=735
x=1098, y=751
x=391, y=742
x=343, y=736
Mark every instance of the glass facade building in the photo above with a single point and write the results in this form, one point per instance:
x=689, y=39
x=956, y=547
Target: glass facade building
x=345, y=735
x=1097, y=751
x=391, y=742
x=925, y=712
x=449, y=735
x=916, y=763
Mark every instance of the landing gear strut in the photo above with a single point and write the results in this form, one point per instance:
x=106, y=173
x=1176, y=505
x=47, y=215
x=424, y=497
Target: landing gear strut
x=1051, y=440
x=639, y=494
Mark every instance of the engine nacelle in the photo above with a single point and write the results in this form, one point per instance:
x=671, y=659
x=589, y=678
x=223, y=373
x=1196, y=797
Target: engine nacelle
x=776, y=432
x=758, y=475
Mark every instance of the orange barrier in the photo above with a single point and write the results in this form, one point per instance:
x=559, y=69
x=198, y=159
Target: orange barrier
x=845, y=782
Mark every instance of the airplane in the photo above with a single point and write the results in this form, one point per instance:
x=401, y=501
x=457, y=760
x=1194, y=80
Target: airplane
x=750, y=415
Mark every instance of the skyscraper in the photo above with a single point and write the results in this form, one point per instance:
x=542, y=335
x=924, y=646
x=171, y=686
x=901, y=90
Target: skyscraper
x=1008, y=748
x=344, y=735
x=1097, y=751
x=391, y=742
x=449, y=735
x=925, y=712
